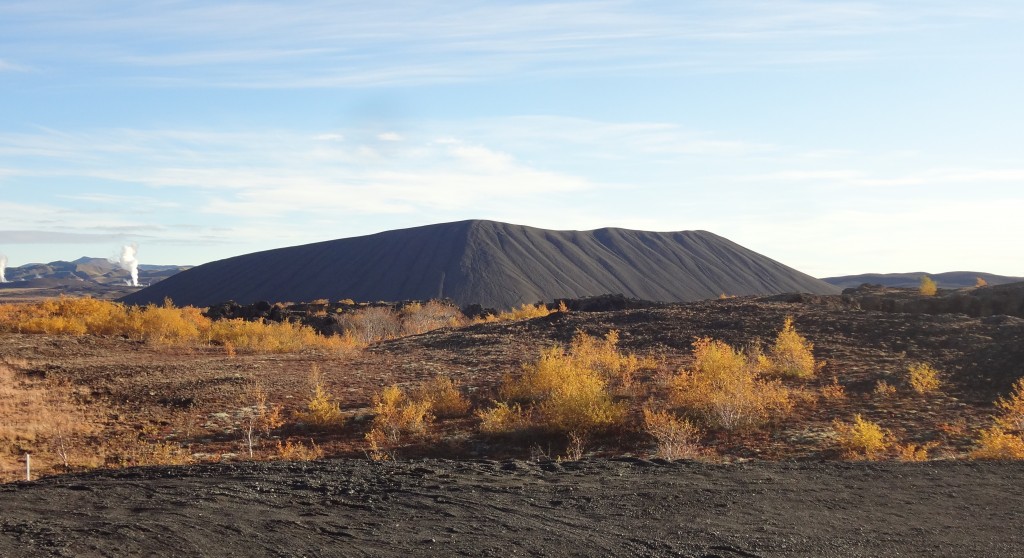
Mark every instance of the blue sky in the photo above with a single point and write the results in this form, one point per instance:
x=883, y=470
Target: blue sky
x=837, y=137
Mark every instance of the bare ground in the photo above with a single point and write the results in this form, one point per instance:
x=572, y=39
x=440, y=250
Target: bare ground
x=488, y=508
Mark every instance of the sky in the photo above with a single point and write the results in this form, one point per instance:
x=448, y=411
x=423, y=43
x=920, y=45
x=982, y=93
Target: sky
x=836, y=137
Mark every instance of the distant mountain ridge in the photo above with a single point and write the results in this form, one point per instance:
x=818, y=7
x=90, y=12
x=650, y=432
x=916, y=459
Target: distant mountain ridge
x=494, y=264
x=948, y=280
x=98, y=271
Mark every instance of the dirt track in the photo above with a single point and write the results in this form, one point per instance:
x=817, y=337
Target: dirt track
x=591, y=508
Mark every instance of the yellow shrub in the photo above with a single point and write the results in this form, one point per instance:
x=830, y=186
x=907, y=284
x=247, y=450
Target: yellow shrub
x=677, y=438
x=923, y=378
x=995, y=443
x=419, y=318
x=914, y=452
x=372, y=325
x=863, y=439
x=502, y=419
x=980, y=282
x=444, y=397
x=792, y=355
x=396, y=414
x=284, y=337
x=567, y=391
x=322, y=409
x=928, y=286
x=1012, y=408
x=834, y=391
x=603, y=356
x=297, y=451
x=524, y=312
x=723, y=389
x=884, y=389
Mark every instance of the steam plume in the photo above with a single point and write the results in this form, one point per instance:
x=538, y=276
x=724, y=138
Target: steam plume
x=129, y=261
x=3, y=268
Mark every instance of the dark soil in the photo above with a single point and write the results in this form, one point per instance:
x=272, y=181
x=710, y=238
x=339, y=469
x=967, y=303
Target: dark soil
x=489, y=508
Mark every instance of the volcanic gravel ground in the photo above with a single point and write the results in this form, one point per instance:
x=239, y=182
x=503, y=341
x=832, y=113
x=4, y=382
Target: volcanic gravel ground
x=489, y=508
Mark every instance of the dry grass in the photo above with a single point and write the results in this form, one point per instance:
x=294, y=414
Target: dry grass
x=45, y=419
x=723, y=390
x=923, y=379
x=862, y=439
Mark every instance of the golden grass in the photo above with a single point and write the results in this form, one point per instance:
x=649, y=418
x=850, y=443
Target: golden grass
x=45, y=419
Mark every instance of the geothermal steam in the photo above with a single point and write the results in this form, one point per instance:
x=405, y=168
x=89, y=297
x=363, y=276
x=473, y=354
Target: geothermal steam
x=3, y=268
x=129, y=261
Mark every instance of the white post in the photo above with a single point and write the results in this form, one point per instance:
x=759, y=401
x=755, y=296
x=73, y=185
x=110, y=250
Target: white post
x=28, y=466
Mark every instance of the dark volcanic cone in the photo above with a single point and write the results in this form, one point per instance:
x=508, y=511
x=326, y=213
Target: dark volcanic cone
x=493, y=264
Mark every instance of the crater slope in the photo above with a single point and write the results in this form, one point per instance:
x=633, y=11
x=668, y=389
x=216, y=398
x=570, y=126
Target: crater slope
x=494, y=264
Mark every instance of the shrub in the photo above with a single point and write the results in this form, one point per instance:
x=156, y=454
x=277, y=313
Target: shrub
x=980, y=283
x=419, y=318
x=914, y=452
x=677, y=438
x=444, y=397
x=884, y=389
x=524, y=312
x=297, y=451
x=372, y=325
x=928, y=286
x=322, y=410
x=863, y=439
x=1012, y=408
x=792, y=355
x=503, y=419
x=995, y=443
x=397, y=414
x=567, y=391
x=833, y=391
x=923, y=379
x=723, y=389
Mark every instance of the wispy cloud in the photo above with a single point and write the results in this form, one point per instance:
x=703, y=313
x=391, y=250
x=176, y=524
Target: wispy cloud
x=257, y=44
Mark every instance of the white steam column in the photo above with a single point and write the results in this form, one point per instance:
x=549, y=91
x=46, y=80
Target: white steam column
x=129, y=261
x=3, y=268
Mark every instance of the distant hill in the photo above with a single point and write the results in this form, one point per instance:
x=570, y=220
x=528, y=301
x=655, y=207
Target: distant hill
x=949, y=280
x=494, y=264
x=91, y=271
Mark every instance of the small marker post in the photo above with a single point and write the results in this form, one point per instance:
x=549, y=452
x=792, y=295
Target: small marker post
x=28, y=466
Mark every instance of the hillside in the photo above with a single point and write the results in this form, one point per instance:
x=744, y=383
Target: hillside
x=949, y=280
x=493, y=264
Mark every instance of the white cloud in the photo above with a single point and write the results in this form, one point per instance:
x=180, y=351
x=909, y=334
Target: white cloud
x=255, y=44
x=390, y=136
